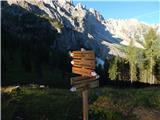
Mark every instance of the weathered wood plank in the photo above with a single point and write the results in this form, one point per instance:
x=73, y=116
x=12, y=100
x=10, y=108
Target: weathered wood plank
x=89, y=85
x=83, y=54
x=79, y=78
x=82, y=71
x=90, y=64
x=83, y=81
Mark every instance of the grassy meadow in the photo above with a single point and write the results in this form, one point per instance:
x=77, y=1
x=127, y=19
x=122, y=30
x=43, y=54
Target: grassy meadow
x=34, y=103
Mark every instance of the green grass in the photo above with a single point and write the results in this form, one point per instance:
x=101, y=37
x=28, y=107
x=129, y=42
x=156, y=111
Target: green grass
x=121, y=102
x=61, y=104
x=37, y=104
x=147, y=97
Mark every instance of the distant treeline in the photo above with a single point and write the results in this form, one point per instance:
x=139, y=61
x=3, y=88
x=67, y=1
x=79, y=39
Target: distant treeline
x=139, y=64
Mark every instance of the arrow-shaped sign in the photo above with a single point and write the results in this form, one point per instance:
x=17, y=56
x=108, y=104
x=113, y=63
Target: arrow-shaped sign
x=83, y=71
x=83, y=54
x=83, y=79
x=81, y=87
x=83, y=63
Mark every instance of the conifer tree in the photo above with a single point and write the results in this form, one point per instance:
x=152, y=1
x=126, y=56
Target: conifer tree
x=151, y=52
x=113, y=69
x=131, y=57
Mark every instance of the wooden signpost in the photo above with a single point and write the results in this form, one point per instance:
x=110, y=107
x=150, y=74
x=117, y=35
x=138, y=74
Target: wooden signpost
x=84, y=64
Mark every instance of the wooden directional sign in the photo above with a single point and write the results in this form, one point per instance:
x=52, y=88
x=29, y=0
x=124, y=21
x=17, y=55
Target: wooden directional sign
x=79, y=78
x=83, y=54
x=82, y=80
x=82, y=86
x=84, y=63
x=82, y=71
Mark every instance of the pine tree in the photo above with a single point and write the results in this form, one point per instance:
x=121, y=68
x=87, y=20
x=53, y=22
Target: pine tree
x=152, y=50
x=131, y=57
x=113, y=69
x=143, y=66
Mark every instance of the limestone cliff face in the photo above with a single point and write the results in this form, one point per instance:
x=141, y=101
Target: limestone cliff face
x=85, y=27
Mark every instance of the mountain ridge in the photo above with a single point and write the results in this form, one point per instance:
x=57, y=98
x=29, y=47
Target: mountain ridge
x=86, y=28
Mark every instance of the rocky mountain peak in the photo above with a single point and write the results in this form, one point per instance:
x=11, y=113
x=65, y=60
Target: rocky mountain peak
x=65, y=1
x=96, y=14
x=79, y=6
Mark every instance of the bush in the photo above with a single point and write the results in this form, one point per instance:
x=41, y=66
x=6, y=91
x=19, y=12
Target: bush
x=101, y=109
x=104, y=114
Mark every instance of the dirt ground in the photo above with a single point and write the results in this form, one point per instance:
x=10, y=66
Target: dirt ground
x=146, y=113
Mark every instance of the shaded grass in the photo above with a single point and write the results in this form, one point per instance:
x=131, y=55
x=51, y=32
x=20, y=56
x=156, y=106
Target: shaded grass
x=41, y=104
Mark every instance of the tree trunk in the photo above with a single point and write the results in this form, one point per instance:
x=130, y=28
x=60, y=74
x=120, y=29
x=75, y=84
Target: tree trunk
x=131, y=73
x=145, y=76
x=151, y=71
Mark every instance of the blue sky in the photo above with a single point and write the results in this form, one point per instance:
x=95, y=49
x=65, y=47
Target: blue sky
x=147, y=11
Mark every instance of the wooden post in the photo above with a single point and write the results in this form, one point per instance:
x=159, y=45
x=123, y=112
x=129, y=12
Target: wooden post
x=85, y=99
x=85, y=104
